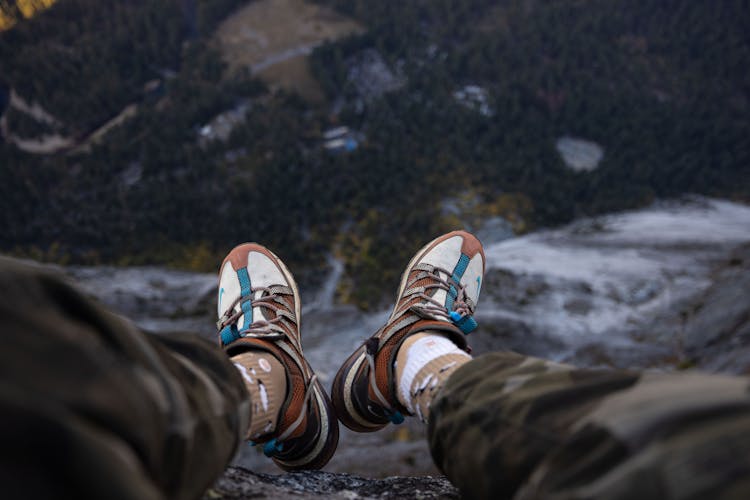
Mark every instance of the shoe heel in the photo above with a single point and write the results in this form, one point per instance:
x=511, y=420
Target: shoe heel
x=345, y=405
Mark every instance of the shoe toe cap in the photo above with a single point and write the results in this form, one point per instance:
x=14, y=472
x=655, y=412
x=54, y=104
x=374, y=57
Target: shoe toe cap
x=247, y=265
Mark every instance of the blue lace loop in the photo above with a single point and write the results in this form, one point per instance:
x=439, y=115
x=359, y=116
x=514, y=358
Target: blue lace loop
x=229, y=334
x=396, y=417
x=466, y=324
x=272, y=447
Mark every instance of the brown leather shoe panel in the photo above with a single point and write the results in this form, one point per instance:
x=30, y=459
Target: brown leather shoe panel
x=471, y=245
x=238, y=255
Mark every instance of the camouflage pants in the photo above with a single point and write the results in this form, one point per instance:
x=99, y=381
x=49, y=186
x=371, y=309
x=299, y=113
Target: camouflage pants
x=90, y=407
x=510, y=426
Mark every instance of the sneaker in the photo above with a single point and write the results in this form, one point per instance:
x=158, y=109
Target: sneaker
x=259, y=309
x=438, y=292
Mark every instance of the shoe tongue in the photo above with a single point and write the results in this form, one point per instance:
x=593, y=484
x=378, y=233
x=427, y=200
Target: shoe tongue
x=441, y=295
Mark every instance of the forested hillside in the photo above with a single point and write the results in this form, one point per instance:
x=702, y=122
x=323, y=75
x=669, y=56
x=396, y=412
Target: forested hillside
x=661, y=85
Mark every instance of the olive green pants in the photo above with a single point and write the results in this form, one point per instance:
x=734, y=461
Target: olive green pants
x=90, y=407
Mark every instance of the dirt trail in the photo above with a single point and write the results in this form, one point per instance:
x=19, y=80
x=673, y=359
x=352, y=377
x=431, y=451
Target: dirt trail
x=97, y=135
x=46, y=144
x=55, y=143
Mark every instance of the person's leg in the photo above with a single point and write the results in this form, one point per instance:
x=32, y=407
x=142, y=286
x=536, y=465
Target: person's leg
x=90, y=407
x=510, y=426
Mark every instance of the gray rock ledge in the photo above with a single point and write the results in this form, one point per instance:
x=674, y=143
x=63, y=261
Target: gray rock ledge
x=238, y=482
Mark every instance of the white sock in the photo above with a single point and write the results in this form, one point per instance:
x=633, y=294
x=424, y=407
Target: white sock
x=423, y=364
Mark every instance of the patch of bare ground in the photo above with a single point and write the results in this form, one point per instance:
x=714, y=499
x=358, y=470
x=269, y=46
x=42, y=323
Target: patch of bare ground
x=274, y=38
x=44, y=145
x=294, y=74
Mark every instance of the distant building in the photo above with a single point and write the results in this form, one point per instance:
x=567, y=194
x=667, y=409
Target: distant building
x=341, y=140
x=335, y=133
x=342, y=145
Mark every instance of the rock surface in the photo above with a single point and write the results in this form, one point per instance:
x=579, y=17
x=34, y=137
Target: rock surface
x=662, y=288
x=579, y=154
x=242, y=483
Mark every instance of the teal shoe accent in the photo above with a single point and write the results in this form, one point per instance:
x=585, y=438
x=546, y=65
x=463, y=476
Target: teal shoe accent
x=466, y=324
x=458, y=272
x=271, y=448
x=229, y=334
x=460, y=269
x=246, y=291
x=451, y=297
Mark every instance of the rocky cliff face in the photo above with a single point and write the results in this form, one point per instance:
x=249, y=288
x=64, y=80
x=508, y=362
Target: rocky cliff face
x=665, y=288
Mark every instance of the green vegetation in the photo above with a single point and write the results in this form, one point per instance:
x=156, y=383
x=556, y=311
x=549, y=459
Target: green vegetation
x=86, y=71
x=662, y=85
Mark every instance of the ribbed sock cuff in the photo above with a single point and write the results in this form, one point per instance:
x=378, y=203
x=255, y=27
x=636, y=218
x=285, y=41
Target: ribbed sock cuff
x=423, y=364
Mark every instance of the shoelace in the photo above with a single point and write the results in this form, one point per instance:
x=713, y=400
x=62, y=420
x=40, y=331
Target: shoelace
x=459, y=309
x=460, y=314
x=267, y=330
